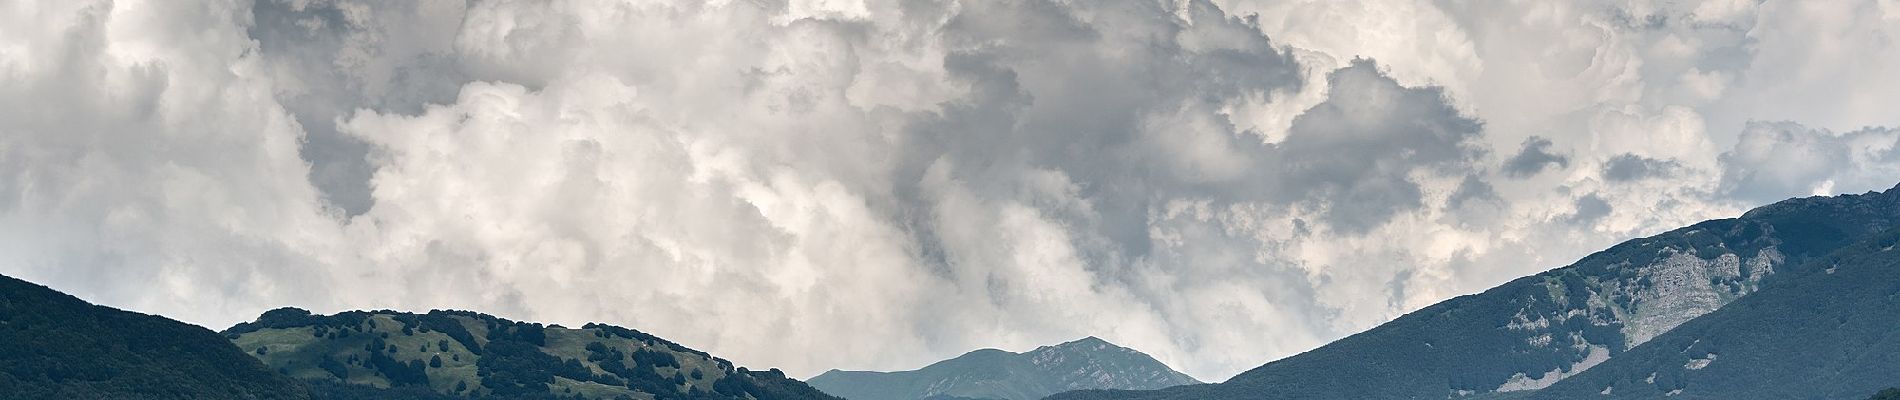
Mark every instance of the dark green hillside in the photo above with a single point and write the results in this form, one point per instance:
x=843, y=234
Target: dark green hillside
x=1831, y=330
x=379, y=354
x=1535, y=331
x=55, y=346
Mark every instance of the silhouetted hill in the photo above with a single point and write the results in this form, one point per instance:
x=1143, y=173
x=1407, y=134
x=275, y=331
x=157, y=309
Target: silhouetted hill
x=56, y=346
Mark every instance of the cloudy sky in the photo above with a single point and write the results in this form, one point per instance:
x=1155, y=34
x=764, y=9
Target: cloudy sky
x=879, y=184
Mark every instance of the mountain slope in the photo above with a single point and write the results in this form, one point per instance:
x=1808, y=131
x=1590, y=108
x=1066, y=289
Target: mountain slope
x=53, y=345
x=465, y=353
x=1089, y=363
x=1827, y=331
x=1534, y=331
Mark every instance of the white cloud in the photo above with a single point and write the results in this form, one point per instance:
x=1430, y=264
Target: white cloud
x=147, y=165
x=876, y=185
x=1784, y=159
x=1824, y=64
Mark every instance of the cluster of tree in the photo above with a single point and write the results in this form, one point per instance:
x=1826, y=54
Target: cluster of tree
x=400, y=373
x=770, y=384
x=604, y=330
x=513, y=368
x=292, y=317
x=441, y=321
x=516, y=367
x=641, y=375
x=500, y=330
x=655, y=359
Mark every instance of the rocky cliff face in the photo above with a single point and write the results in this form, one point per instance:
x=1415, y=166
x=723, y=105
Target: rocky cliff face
x=1822, y=330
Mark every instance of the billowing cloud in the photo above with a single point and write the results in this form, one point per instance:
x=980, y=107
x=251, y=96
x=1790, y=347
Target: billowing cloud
x=876, y=185
x=1775, y=160
x=145, y=163
x=1024, y=200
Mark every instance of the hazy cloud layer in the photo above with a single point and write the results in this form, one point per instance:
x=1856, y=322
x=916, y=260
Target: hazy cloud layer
x=876, y=185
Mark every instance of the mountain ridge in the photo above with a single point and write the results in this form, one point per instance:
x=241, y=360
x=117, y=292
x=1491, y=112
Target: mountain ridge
x=1089, y=362
x=464, y=353
x=1534, y=331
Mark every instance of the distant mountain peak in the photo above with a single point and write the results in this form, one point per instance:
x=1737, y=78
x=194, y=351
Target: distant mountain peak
x=1089, y=341
x=1086, y=363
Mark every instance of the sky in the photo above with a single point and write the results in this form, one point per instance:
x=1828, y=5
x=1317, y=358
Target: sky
x=876, y=185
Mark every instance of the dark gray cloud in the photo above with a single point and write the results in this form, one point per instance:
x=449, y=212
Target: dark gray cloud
x=1475, y=203
x=1355, y=153
x=1591, y=208
x=1533, y=157
x=333, y=58
x=1050, y=90
x=1630, y=167
x=1472, y=189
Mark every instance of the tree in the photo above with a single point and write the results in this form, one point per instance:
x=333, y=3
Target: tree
x=435, y=361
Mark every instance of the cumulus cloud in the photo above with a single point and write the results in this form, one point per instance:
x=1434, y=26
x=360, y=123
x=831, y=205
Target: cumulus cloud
x=1775, y=160
x=1018, y=207
x=877, y=185
x=327, y=59
x=145, y=163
